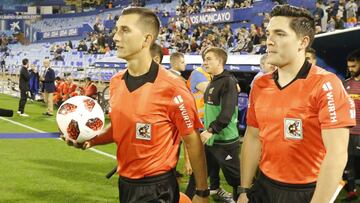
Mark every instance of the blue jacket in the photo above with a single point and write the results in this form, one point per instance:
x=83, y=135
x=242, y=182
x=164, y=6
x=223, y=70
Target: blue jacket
x=49, y=81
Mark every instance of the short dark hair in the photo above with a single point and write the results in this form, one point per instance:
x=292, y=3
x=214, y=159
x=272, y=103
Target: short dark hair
x=88, y=78
x=354, y=56
x=219, y=52
x=148, y=19
x=156, y=50
x=302, y=22
x=176, y=55
x=25, y=61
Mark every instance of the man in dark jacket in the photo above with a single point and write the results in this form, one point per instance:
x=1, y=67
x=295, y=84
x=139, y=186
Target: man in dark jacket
x=48, y=79
x=221, y=136
x=23, y=86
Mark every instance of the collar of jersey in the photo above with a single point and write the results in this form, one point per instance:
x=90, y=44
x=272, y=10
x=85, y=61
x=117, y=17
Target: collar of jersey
x=147, y=77
x=302, y=74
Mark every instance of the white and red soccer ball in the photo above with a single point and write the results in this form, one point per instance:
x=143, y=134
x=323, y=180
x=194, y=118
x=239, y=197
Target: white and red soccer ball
x=80, y=118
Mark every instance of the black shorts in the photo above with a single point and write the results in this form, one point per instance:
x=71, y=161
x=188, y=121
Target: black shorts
x=155, y=189
x=227, y=156
x=354, y=145
x=266, y=190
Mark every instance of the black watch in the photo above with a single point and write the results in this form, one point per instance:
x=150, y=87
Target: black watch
x=241, y=190
x=202, y=193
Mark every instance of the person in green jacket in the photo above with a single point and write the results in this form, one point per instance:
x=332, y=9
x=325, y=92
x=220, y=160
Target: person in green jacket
x=221, y=137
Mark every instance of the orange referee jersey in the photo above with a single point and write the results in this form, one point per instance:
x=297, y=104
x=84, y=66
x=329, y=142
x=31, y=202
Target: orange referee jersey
x=148, y=122
x=290, y=120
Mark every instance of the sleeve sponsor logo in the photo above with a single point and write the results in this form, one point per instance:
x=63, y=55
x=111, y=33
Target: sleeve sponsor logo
x=180, y=103
x=330, y=101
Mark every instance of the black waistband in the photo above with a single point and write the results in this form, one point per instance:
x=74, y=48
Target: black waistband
x=149, y=179
x=262, y=176
x=225, y=142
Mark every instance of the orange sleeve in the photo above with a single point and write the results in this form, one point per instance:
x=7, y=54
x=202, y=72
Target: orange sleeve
x=250, y=115
x=336, y=108
x=183, y=112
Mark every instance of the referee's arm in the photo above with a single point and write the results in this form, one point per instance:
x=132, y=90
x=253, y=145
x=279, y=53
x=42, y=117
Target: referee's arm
x=249, y=156
x=331, y=170
x=195, y=150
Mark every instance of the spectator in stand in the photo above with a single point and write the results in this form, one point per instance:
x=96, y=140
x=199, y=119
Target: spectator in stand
x=94, y=48
x=262, y=47
x=89, y=89
x=351, y=11
x=101, y=39
x=97, y=27
x=82, y=46
x=332, y=9
x=318, y=12
x=229, y=4
x=57, y=53
x=339, y=23
x=165, y=50
x=70, y=44
x=254, y=34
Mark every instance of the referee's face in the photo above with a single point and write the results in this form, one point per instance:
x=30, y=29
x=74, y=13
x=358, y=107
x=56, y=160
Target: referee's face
x=283, y=45
x=128, y=37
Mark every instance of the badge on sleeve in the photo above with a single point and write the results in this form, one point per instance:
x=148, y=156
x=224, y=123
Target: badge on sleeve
x=293, y=129
x=143, y=131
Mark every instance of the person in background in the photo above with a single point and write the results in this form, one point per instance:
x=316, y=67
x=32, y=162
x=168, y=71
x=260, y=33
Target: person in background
x=156, y=53
x=89, y=88
x=23, y=86
x=310, y=55
x=352, y=86
x=34, y=82
x=48, y=80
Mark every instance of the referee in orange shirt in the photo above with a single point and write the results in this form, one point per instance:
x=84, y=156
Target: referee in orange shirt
x=151, y=111
x=298, y=120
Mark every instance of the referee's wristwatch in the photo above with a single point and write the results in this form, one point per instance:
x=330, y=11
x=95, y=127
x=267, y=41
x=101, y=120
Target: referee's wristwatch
x=241, y=190
x=203, y=193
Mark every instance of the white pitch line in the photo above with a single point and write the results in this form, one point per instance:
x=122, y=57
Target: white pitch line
x=40, y=131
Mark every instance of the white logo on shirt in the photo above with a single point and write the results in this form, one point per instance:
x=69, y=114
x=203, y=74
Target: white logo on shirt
x=327, y=86
x=179, y=100
x=330, y=101
x=211, y=90
x=352, y=108
x=293, y=129
x=228, y=157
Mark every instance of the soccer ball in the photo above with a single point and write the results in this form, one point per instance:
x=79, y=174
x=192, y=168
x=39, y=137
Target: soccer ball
x=80, y=118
